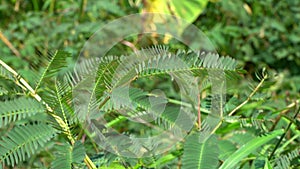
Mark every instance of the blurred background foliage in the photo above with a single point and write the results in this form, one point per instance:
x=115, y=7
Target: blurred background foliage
x=257, y=33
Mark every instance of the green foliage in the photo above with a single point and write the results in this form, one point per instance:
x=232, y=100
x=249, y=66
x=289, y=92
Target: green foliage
x=248, y=148
x=255, y=32
x=200, y=151
x=24, y=141
x=66, y=155
x=56, y=63
x=286, y=160
x=10, y=113
x=40, y=129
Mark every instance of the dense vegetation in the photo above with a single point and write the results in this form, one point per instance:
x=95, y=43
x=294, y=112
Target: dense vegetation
x=257, y=120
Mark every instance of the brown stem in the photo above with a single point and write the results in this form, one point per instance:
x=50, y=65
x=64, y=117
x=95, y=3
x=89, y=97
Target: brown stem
x=9, y=45
x=286, y=110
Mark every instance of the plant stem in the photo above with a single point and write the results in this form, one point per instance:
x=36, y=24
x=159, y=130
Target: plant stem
x=35, y=4
x=115, y=121
x=174, y=101
x=249, y=97
x=283, y=135
x=242, y=104
x=82, y=8
x=52, y=6
x=9, y=45
x=284, y=111
x=199, y=113
x=24, y=85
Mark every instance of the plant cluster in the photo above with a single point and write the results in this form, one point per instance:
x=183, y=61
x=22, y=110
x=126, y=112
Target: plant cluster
x=42, y=124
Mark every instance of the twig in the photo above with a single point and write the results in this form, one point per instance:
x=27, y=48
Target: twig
x=82, y=7
x=131, y=45
x=284, y=111
x=9, y=45
x=242, y=104
x=249, y=97
x=22, y=83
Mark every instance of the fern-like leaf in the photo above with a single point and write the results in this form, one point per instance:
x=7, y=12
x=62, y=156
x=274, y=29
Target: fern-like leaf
x=23, y=141
x=56, y=63
x=284, y=161
x=200, y=152
x=5, y=74
x=68, y=155
x=17, y=109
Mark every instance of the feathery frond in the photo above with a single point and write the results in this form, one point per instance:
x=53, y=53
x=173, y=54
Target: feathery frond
x=5, y=74
x=56, y=63
x=67, y=155
x=284, y=161
x=23, y=141
x=200, y=152
x=17, y=109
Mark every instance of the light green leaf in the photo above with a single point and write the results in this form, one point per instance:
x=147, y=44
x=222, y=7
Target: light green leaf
x=248, y=148
x=164, y=159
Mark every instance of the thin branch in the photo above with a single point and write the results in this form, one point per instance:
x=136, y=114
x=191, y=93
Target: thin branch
x=249, y=97
x=284, y=111
x=242, y=104
x=131, y=45
x=23, y=83
x=9, y=45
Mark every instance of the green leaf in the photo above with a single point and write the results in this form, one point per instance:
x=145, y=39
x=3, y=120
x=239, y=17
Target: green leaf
x=248, y=148
x=267, y=164
x=163, y=160
x=63, y=157
x=226, y=149
x=17, y=109
x=23, y=141
x=188, y=10
x=200, y=153
x=114, y=165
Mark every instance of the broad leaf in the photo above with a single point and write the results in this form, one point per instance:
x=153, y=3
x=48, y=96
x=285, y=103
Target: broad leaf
x=187, y=10
x=248, y=148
